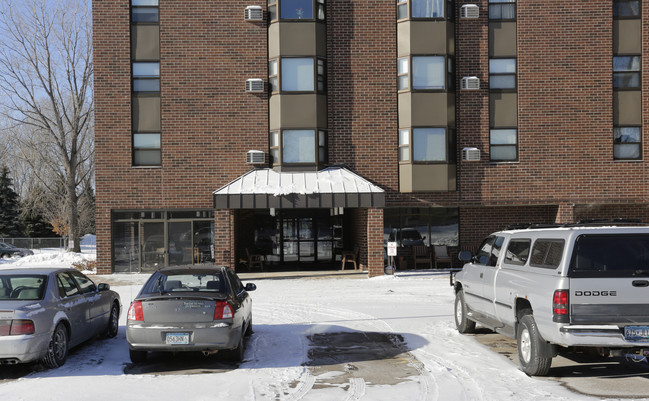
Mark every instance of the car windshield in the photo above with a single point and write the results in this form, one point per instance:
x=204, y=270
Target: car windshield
x=22, y=287
x=611, y=256
x=168, y=282
x=5, y=245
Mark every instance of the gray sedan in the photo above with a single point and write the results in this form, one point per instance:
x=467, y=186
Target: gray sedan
x=46, y=311
x=190, y=308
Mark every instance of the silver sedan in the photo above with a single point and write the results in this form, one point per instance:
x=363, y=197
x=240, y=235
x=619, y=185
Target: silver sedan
x=190, y=308
x=46, y=311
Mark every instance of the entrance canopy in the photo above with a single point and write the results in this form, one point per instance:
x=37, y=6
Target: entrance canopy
x=332, y=187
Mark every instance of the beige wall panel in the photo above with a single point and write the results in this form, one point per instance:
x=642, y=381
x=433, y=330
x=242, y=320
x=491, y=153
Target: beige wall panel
x=405, y=110
x=428, y=37
x=297, y=39
x=146, y=113
x=503, y=110
x=451, y=109
x=405, y=178
x=403, y=39
x=430, y=109
x=273, y=40
x=430, y=177
x=502, y=39
x=145, y=43
x=627, y=36
x=321, y=40
x=627, y=108
x=450, y=39
x=274, y=112
x=298, y=111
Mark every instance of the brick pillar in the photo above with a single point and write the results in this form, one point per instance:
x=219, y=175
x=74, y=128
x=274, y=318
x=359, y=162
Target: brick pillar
x=375, y=259
x=565, y=213
x=224, y=238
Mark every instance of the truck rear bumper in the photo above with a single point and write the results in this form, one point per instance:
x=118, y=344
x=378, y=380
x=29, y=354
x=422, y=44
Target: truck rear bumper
x=597, y=335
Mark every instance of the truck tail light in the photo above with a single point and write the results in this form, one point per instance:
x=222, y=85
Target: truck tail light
x=223, y=310
x=560, y=306
x=135, y=312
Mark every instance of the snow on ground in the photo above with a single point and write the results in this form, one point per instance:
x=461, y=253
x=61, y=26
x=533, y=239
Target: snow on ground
x=417, y=305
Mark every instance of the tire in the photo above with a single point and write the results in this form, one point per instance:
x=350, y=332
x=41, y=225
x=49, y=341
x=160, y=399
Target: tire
x=113, y=322
x=462, y=322
x=236, y=355
x=529, y=343
x=137, y=356
x=57, y=349
x=6, y=256
x=249, y=331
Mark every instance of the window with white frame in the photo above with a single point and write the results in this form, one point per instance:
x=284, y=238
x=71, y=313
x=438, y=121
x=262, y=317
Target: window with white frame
x=273, y=72
x=403, y=73
x=404, y=145
x=627, y=143
x=503, y=144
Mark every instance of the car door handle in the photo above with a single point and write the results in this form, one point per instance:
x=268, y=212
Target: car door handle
x=640, y=283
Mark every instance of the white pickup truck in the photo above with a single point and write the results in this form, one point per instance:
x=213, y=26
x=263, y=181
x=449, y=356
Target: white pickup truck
x=576, y=286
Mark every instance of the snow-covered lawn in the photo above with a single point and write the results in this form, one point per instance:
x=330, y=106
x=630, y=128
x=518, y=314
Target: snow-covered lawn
x=416, y=305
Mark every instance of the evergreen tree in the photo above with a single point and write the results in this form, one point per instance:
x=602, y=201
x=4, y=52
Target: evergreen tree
x=10, y=222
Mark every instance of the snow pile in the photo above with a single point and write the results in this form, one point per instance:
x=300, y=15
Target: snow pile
x=57, y=258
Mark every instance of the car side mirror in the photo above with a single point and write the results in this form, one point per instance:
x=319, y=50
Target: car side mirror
x=103, y=287
x=250, y=287
x=465, y=256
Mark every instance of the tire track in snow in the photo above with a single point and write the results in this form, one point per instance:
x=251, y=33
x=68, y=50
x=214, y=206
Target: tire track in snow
x=356, y=389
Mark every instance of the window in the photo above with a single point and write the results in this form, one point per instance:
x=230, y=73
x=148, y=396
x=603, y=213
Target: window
x=626, y=71
x=502, y=73
x=84, y=282
x=503, y=144
x=272, y=75
x=322, y=75
x=297, y=75
x=67, y=285
x=296, y=9
x=518, y=251
x=626, y=8
x=146, y=77
x=146, y=149
x=320, y=9
x=402, y=9
x=547, y=253
x=404, y=145
x=427, y=8
x=274, y=147
x=627, y=142
x=144, y=10
x=428, y=72
x=322, y=147
x=403, y=73
x=272, y=10
x=502, y=9
x=298, y=146
x=429, y=144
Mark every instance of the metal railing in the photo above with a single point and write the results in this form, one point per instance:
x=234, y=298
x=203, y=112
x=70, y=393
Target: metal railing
x=35, y=243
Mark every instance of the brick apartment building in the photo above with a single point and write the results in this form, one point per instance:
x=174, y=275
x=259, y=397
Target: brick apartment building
x=420, y=121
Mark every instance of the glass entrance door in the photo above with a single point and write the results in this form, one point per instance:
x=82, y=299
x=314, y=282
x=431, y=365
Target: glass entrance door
x=153, y=246
x=306, y=239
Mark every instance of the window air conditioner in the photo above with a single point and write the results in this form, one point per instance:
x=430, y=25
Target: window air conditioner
x=471, y=154
x=255, y=157
x=470, y=83
x=469, y=11
x=253, y=13
x=254, y=85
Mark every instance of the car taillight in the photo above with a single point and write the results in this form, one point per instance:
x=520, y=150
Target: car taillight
x=135, y=312
x=223, y=310
x=16, y=327
x=19, y=327
x=560, y=305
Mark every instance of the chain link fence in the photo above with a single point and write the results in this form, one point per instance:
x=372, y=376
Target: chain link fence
x=35, y=243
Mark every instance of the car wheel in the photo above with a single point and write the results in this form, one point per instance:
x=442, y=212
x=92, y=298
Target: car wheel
x=529, y=344
x=113, y=322
x=137, y=356
x=462, y=321
x=236, y=355
x=6, y=256
x=57, y=350
x=249, y=328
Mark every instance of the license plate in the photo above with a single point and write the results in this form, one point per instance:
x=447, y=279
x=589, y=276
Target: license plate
x=637, y=333
x=177, y=338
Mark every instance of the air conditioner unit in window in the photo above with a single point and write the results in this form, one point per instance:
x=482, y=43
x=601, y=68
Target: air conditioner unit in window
x=469, y=11
x=471, y=154
x=255, y=157
x=470, y=83
x=254, y=85
x=253, y=13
